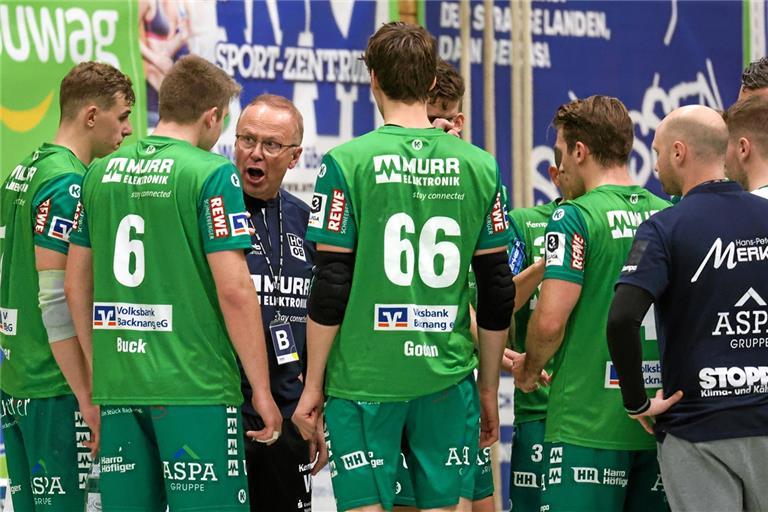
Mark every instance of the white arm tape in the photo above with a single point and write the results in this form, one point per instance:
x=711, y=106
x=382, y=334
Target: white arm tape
x=53, y=304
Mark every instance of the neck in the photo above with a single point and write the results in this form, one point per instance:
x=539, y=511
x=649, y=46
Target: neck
x=758, y=176
x=412, y=115
x=72, y=138
x=598, y=176
x=186, y=132
x=701, y=174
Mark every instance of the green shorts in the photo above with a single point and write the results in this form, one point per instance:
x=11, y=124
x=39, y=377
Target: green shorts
x=47, y=464
x=473, y=488
x=364, y=441
x=591, y=479
x=527, y=466
x=189, y=457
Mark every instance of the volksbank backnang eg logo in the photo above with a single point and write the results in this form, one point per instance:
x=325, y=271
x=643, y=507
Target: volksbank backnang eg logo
x=60, y=228
x=132, y=317
x=414, y=317
x=651, y=375
x=392, y=317
x=238, y=222
x=417, y=171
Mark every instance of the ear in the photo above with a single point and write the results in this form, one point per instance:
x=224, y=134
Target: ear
x=90, y=116
x=580, y=152
x=679, y=152
x=458, y=122
x=211, y=117
x=295, y=157
x=434, y=83
x=745, y=148
x=554, y=175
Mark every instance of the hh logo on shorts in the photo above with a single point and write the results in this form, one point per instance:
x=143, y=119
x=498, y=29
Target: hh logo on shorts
x=354, y=460
x=133, y=317
x=238, y=222
x=60, y=228
x=651, y=375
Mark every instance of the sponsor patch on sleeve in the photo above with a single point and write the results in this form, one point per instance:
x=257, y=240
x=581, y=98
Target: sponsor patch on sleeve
x=41, y=218
x=635, y=256
x=60, y=228
x=498, y=217
x=218, y=217
x=516, y=256
x=336, y=211
x=78, y=214
x=555, y=249
x=238, y=223
x=317, y=210
x=577, y=252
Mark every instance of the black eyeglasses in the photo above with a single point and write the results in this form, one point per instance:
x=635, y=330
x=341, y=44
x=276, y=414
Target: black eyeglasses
x=269, y=147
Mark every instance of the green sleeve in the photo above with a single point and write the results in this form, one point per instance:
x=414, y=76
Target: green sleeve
x=495, y=231
x=567, y=245
x=54, y=208
x=331, y=220
x=221, y=213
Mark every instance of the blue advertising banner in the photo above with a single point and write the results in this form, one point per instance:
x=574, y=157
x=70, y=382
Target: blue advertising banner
x=653, y=55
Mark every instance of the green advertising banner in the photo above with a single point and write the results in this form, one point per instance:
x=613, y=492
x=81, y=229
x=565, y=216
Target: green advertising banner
x=40, y=41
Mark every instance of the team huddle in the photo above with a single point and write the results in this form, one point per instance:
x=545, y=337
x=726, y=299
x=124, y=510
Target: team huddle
x=131, y=323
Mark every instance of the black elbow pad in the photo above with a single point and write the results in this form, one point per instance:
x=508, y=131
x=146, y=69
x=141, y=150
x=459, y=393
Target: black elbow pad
x=331, y=286
x=495, y=291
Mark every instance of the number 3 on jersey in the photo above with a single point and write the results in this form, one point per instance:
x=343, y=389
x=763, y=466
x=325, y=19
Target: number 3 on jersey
x=127, y=249
x=396, y=243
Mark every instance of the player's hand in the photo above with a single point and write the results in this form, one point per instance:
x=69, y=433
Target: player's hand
x=92, y=416
x=525, y=380
x=659, y=405
x=489, y=417
x=318, y=450
x=273, y=421
x=309, y=412
x=446, y=125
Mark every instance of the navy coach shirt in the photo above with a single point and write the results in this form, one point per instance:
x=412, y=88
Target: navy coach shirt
x=289, y=296
x=705, y=262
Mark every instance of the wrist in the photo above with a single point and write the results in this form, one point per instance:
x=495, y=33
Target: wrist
x=634, y=411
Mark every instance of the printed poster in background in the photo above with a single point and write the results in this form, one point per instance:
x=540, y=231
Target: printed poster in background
x=306, y=51
x=40, y=41
x=654, y=56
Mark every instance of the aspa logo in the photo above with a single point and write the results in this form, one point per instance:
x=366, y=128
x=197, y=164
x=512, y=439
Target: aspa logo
x=44, y=484
x=60, y=228
x=41, y=218
x=133, y=317
x=104, y=316
x=746, y=321
x=393, y=317
x=218, y=217
x=185, y=466
x=238, y=222
x=651, y=375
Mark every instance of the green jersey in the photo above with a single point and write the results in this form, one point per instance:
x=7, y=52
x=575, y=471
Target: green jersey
x=37, y=205
x=151, y=212
x=414, y=205
x=526, y=248
x=587, y=242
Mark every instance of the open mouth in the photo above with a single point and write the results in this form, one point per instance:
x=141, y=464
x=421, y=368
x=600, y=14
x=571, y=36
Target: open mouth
x=255, y=175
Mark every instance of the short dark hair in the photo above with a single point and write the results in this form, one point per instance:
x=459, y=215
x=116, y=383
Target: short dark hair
x=749, y=118
x=93, y=82
x=404, y=58
x=602, y=123
x=449, y=86
x=755, y=76
x=192, y=86
x=281, y=103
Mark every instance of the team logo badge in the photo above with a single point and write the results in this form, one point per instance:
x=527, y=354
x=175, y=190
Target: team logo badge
x=235, y=180
x=74, y=190
x=417, y=144
x=559, y=213
x=296, y=246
